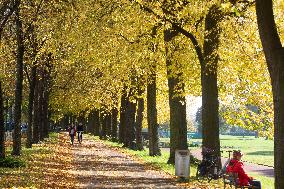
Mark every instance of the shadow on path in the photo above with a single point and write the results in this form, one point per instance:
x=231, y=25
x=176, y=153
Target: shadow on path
x=99, y=166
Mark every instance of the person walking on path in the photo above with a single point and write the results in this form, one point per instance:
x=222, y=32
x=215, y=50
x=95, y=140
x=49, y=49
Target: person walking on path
x=72, y=132
x=80, y=129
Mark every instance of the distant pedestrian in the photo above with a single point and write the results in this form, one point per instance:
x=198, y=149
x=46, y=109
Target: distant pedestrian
x=80, y=129
x=72, y=132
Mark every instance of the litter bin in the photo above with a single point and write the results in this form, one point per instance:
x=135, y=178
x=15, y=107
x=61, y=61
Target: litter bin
x=182, y=163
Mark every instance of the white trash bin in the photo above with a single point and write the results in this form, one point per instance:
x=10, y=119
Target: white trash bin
x=182, y=163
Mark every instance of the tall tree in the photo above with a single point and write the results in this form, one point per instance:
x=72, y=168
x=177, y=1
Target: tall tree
x=210, y=103
x=32, y=84
x=274, y=54
x=19, y=84
x=178, y=126
x=152, y=117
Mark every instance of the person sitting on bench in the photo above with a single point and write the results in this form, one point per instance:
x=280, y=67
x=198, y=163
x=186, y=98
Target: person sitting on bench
x=236, y=166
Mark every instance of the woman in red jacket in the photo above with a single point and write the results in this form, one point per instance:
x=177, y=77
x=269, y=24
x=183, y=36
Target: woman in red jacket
x=236, y=166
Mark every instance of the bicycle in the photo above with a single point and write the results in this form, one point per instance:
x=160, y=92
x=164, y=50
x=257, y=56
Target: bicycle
x=80, y=136
x=209, y=168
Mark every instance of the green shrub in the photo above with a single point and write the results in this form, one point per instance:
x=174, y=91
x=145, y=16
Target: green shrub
x=11, y=162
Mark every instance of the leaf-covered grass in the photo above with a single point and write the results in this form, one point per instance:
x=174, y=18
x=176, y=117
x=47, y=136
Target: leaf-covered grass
x=45, y=166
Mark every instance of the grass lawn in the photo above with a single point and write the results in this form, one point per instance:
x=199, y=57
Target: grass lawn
x=256, y=150
x=160, y=162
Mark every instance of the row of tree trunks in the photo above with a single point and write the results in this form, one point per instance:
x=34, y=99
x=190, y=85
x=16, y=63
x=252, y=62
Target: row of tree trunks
x=103, y=124
x=2, y=124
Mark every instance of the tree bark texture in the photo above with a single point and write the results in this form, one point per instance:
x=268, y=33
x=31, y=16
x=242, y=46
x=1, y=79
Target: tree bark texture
x=91, y=123
x=104, y=127
x=36, y=115
x=130, y=123
x=41, y=111
x=2, y=124
x=152, y=119
x=178, y=126
x=274, y=54
x=122, y=124
x=30, y=106
x=210, y=103
x=19, y=85
x=96, y=116
x=138, y=124
x=114, y=114
x=108, y=124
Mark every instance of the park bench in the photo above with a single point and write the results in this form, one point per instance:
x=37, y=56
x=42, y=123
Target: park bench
x=231, y=179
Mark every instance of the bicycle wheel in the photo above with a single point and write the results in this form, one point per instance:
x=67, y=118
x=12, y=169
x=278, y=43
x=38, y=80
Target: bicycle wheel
x=201, y=176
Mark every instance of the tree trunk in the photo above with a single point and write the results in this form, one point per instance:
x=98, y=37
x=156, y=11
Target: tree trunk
x=19, y=86
x=274, y=54
x=108, y=124
x=2, y=124
x=41, y=110
x=91, y=123
x=45, y=112
x=114, y=124
x=210, y=103
x=96, y=116
x=30, y=107
x=36, y=115
x=139, y=120
x=122, y=124
x=104, y=126
x=152, y=119
x=178, y=126
x=130, y=124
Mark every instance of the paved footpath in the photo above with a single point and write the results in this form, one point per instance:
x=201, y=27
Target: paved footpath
x=100, y=166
